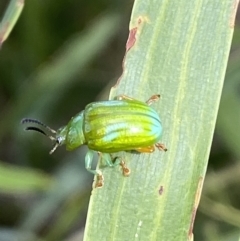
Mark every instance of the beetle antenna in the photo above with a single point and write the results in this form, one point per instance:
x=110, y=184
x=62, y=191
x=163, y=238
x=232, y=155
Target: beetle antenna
x=27, y=120
x=33, y=128
x=54, y=148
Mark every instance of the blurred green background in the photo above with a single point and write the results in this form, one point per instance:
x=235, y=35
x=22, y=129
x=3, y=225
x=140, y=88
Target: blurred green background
x=60, y=56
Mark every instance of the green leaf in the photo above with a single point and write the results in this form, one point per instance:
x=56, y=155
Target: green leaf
x=178, y=49
x=10, y=18
x=15, y=180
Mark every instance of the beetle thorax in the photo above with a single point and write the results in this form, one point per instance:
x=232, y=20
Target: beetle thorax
x=74, y=136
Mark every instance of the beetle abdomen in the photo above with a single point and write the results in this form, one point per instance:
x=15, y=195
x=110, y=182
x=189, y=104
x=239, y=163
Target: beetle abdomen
x=112, y=126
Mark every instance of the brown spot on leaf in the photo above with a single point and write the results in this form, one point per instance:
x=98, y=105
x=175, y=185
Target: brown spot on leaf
x=233, y=13
x=160, y=191
x=192, y=223
x=195, y=206
x=130, y=43
x=132, y=38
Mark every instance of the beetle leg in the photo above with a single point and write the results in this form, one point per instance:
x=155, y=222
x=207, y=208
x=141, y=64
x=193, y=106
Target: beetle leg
x=123, y=97
x=88, y=166
x=153, y=99
x=147, y=149
x=126, y=171
x=99, y=181
x=88, y=162
x=117, y=161
x=161, y=147
x=107, y=158
x=150, y=149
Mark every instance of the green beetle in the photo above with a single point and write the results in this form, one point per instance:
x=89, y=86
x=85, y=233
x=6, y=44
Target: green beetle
x=122, y=124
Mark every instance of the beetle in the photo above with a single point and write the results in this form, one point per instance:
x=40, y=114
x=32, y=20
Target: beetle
x=121, y=124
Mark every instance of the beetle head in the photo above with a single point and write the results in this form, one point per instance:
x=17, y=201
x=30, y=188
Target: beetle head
x=53, y=136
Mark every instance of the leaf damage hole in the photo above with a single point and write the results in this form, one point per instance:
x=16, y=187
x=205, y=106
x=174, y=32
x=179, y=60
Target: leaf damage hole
x=131, y=39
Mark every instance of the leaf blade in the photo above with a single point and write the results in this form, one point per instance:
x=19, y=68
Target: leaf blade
x=180, y=50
